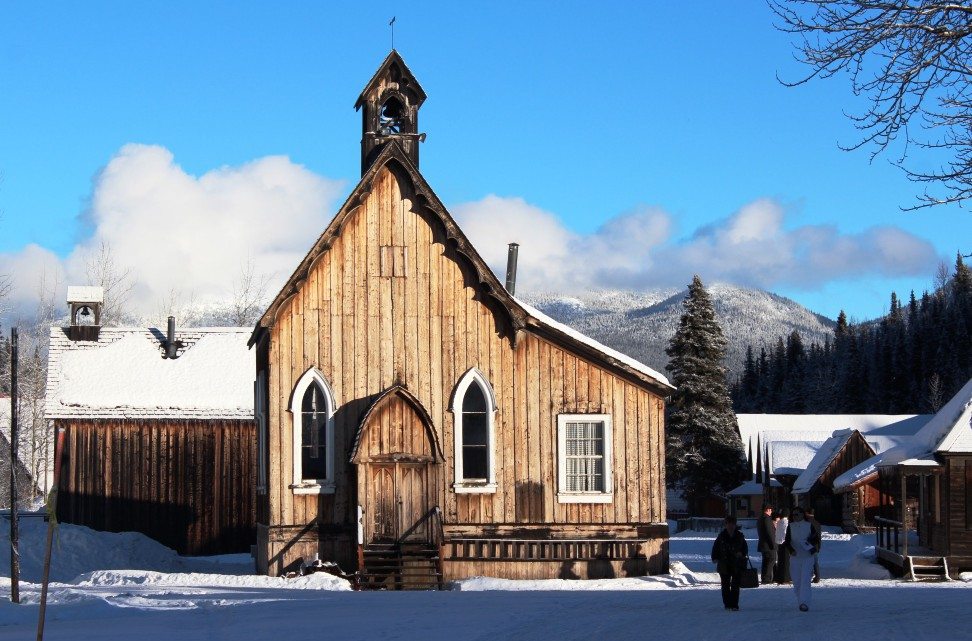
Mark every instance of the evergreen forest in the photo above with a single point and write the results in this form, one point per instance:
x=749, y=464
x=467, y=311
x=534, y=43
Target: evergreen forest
x=911, y=361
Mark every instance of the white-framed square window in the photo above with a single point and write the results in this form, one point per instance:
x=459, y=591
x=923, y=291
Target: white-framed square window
x=584, y=458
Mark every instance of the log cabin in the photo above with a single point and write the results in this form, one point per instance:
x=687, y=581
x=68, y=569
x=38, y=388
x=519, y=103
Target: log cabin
x=924, y=485
x=156, y=431
x=414, y=417
x=796, y=457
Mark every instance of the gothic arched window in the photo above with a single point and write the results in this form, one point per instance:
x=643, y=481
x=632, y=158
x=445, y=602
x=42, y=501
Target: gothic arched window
x=474, y=409
x=312, y=406
x=313, y=434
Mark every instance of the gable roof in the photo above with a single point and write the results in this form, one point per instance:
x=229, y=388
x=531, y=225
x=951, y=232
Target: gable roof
x=881, y=431
x=948, y=432
x=520, y=315
x=825, y=455
x=123, y=375
x=393, y=57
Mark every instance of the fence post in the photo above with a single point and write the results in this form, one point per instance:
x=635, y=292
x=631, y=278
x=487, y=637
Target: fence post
x=14, y=460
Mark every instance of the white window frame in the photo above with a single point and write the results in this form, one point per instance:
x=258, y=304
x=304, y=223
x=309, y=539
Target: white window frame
x=315, y=486
x=260, y=405
x=565, y=496
x=460, y=484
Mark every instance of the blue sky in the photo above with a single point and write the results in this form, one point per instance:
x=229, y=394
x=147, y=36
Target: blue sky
x=573, y=114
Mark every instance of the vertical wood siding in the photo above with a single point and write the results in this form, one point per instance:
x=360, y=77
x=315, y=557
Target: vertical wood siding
x=423, y=326
x=187, y=484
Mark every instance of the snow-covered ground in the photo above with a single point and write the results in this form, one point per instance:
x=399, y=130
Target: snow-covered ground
x=124, y=586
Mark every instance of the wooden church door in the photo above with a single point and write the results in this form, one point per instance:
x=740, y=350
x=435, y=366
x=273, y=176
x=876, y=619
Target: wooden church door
x=397, y=501
x=396, y=459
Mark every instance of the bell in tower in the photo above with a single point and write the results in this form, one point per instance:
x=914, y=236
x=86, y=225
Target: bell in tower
x=389, y=105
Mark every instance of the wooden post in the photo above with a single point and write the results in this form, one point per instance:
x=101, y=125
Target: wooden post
x=51, y=523
x=904, y=512
x=14, y=438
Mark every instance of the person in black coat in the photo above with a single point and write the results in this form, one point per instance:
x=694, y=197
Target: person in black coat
x=730, y=553
x=766, y=530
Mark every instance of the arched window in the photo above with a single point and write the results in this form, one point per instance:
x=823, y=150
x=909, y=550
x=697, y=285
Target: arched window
x=313, y=439
x=391, y=117
x=312, y=406
x=474, y=409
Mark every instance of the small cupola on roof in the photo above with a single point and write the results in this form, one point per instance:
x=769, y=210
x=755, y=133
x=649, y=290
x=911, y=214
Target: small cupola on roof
x=85, y=304
x=389, y=104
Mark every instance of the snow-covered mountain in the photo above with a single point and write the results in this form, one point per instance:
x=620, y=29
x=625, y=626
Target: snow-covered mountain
x=640, y=324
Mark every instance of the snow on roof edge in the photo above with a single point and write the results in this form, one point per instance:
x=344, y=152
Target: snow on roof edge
x=936, y=434
x=590, y=342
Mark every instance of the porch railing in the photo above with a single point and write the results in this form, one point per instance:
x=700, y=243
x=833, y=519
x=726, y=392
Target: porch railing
x=889, y=535
x=435, y=533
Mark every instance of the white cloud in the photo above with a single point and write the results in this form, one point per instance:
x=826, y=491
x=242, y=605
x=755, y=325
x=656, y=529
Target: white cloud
x=636, y=250
x=187, y=234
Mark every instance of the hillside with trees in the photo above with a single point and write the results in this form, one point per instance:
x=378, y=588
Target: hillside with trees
x=910, y=361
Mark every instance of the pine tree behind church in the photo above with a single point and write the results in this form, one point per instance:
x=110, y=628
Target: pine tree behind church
x=704, y=454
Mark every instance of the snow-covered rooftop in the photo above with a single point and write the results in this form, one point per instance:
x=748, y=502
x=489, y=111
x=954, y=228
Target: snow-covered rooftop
x=590, y=342
x=791, y=457
x=751, y=487
x=123, y=375
x=882, y=431
x=948, y=431
x=85, y=294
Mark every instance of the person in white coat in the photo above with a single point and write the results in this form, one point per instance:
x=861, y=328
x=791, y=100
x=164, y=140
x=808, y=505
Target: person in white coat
x=802, y=542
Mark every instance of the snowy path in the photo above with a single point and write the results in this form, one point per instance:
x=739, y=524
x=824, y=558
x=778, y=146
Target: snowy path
x=886, y=610
x=184, y=603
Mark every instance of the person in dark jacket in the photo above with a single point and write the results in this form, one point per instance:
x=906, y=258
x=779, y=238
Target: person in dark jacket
x=730, y=553
x=766, y=530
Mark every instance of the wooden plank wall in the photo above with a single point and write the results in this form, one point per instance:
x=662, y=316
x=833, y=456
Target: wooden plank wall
x=188, y=484
x=424, y=330
x=959, y=505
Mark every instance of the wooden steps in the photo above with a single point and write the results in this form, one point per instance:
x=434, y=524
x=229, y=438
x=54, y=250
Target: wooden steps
x=390, y=566
x=926, y=568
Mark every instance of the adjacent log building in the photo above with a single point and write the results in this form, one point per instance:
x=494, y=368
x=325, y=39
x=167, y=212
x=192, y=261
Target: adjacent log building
x=924, y=485
x=156, y=430
x=410, y=407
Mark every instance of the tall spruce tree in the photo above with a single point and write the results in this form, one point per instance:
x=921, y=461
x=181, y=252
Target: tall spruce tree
x=704, y=454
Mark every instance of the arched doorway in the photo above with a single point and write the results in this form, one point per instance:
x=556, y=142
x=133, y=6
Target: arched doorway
x=395, y=452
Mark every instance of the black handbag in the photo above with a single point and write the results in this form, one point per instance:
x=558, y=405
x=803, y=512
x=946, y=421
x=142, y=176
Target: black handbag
x=750, y=578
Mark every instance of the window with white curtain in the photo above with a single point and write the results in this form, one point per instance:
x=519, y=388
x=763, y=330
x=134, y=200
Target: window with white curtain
x=584, y=460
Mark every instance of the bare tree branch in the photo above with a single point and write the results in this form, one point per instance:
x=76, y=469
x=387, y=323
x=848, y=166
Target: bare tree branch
x=118, y=282
x=912, y=61
x=249, y=296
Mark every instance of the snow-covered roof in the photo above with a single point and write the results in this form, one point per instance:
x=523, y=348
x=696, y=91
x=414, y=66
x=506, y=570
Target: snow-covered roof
x=750, y=488
x=85, y=294
x=825, y=454
x=123, y=375
x=948, y=431
x=590, y=342
x=791, y=457
x=882, y=431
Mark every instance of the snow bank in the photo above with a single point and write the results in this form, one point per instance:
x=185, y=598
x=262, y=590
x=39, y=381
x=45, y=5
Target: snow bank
x=79, y=550
x=127, y=578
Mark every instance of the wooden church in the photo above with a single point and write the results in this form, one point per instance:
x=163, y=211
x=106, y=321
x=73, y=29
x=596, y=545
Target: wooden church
x=417, y=422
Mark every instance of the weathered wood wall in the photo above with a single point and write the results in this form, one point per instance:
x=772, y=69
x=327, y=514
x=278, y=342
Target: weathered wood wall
x=188, y=484
x=959, y=506
x=424, y=329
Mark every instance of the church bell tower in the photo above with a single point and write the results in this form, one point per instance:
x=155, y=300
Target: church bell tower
x=389, y=107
